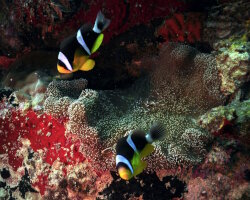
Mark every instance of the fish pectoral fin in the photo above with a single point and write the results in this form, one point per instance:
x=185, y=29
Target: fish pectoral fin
x=79, y=59
x=88, y=65
x=148, y=149
x=97, y=43
x=139, y=169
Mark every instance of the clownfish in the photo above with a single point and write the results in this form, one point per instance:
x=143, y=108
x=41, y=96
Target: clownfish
x=76, y=49
x=131, y=149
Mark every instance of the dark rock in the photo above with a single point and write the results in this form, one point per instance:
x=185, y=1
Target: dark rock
x=5, y=173
x=247, y=174
x=5, y=93
x=147, y=185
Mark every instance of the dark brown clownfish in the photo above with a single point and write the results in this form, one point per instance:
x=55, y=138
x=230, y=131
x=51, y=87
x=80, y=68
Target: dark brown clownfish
x=131, y=149
x=76, y=49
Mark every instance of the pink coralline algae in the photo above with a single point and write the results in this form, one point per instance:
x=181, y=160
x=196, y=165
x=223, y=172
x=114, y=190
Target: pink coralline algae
x=5, y=62
x=196, y=87
x=124, y=111
x=224, y=174
x=70, y=99
x=46, y=23
x=219, y=186
x=124, y=14
x=43, y=132
x=181, y=28
x=64, y=146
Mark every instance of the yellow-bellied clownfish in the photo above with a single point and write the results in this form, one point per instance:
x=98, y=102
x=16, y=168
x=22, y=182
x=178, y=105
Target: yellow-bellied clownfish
x=76, y=49
x=131, y=149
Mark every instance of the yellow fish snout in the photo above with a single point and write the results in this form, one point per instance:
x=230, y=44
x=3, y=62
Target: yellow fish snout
x=124, y=173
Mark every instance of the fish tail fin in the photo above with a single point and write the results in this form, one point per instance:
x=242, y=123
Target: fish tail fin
x=101, y=23
x=157, y=132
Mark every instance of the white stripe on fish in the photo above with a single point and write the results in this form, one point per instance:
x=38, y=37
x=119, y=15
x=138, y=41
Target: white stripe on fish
x=82, y=42
x=64, y=59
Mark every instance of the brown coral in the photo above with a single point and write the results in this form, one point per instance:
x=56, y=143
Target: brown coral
x=66, y=88
x=184, y=84
x=70, y=99
x=225, y=20
x=81, y=182
x=185, y=80
x=181, y=28
x=227, y=31
x=60, y=94
x=233, y=62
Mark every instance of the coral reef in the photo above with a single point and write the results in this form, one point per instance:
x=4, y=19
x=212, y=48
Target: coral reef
x=69, y=99
x=146, y=186
x=29, y=67
x=28, y=77
x=186, y=81
x=140, y=106
x=58, y=136
x=181, y=28
x=225, y=20
x=60, y=95
x=235, y=113
x=5, y=62
x=81, y=183
x=38, y=143
x=227, y=31
x=122, y=67
x=29, y=24
x=208, y=189
x=233, y=61
x=42, y=24
x=5, y=93
x=13, y=185
x=222, y=175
